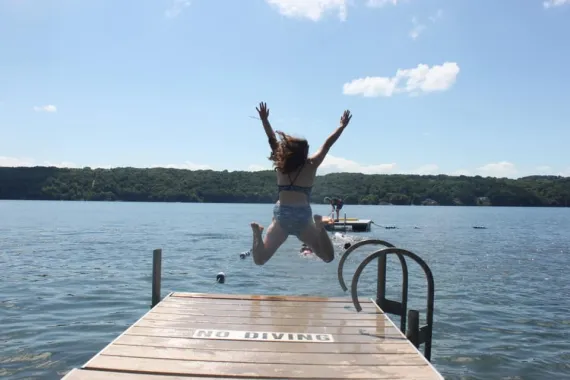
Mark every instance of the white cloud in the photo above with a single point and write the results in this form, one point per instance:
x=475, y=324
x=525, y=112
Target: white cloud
x=459, y=172
x=176, y=8
x=48, y=108
x=555, y=3
x=315, y=9
x=310, y=9
x=186, y=165
x=27, y=162
x=333, y=164
x=427, y=169
x=381, y=3
x=498, y=169
x=258, y=168
x=421, y=79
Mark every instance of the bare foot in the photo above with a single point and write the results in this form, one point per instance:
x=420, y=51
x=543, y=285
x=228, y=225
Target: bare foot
x=256, y=227
x=318, y=222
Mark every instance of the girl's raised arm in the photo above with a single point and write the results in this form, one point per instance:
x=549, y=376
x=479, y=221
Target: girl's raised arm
x=263, y=112
x=320, y=155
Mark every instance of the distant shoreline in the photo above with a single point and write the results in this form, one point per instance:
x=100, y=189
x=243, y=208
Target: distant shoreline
x=264, y=203
x=207, y=186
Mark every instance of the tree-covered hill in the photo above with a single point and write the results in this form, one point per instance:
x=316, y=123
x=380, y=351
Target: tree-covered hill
x=175, y=185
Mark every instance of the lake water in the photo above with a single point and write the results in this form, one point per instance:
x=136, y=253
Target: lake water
x=74, y=275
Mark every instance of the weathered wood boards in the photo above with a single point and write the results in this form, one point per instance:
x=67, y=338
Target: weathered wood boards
x=195, y=336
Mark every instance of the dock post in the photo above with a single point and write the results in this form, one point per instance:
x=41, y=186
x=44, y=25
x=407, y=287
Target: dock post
x=345, y=222
x=413, y=333
x=381, y=282
x=156, y=276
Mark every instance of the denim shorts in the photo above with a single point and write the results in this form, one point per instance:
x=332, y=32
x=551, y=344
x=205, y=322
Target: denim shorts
x=292, y=218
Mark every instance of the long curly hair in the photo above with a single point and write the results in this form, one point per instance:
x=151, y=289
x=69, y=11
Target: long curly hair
x=290, y=153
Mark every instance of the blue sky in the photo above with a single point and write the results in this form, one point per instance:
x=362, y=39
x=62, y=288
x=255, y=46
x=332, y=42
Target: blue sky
x=435, y=86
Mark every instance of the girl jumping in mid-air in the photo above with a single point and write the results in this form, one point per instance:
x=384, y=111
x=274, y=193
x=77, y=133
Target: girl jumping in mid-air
x=292, y=213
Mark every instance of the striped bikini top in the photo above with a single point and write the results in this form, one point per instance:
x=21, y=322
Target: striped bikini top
x=292, y=187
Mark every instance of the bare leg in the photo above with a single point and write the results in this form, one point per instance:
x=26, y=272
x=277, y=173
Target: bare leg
x=262, y=250
x=325, y=244
x=316, y=237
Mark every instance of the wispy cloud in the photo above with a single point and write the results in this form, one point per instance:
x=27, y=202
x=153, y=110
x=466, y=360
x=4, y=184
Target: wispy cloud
x=436, y=16
x=185, y=165
x=176, y=7
x=459, y=172
x=418, y=27
x=28, y=162
x=48, y=108
x=427, y=169
x=421, y=79
x=498, y=169
x=258, y=168
x=333, y=164
x=381, y=3
x=315, y=10
x=555, y=3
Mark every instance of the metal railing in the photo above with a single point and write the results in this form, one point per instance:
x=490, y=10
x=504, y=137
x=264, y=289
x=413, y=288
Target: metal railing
x=416, y=335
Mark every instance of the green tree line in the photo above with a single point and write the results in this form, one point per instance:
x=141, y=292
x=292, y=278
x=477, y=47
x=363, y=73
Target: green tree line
x=176, y=185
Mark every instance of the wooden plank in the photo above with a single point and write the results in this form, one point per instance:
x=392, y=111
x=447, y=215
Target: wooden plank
x=256, y=370
x=266, y=297
x=232, y=319
x=262, y=314
x=381, y=327
x=387, y=347
x=264, y=357
x=188, y=333
x=228, y=302
x=82, y=374
x=271, y=308
x=86, y=374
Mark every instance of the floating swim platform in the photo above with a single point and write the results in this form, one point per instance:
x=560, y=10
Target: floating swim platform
x=231, y=336
x=348, y=224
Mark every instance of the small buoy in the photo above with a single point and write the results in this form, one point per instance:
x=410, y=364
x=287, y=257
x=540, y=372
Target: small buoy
x=347, y=245
x=242, y=255
x=248, y=252
x=221, y=277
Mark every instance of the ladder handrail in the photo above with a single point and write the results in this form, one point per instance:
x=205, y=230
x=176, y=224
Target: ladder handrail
x=419, y=335
x=350, y=250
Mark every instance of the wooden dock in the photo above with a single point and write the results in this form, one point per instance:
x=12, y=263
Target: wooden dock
x=197, y=336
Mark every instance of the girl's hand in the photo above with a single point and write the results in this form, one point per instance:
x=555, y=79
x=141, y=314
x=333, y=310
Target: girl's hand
x=263, y=111
x=345, y=118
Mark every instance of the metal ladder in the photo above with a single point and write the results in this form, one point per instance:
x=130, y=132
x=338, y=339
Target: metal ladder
x=414, y=333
